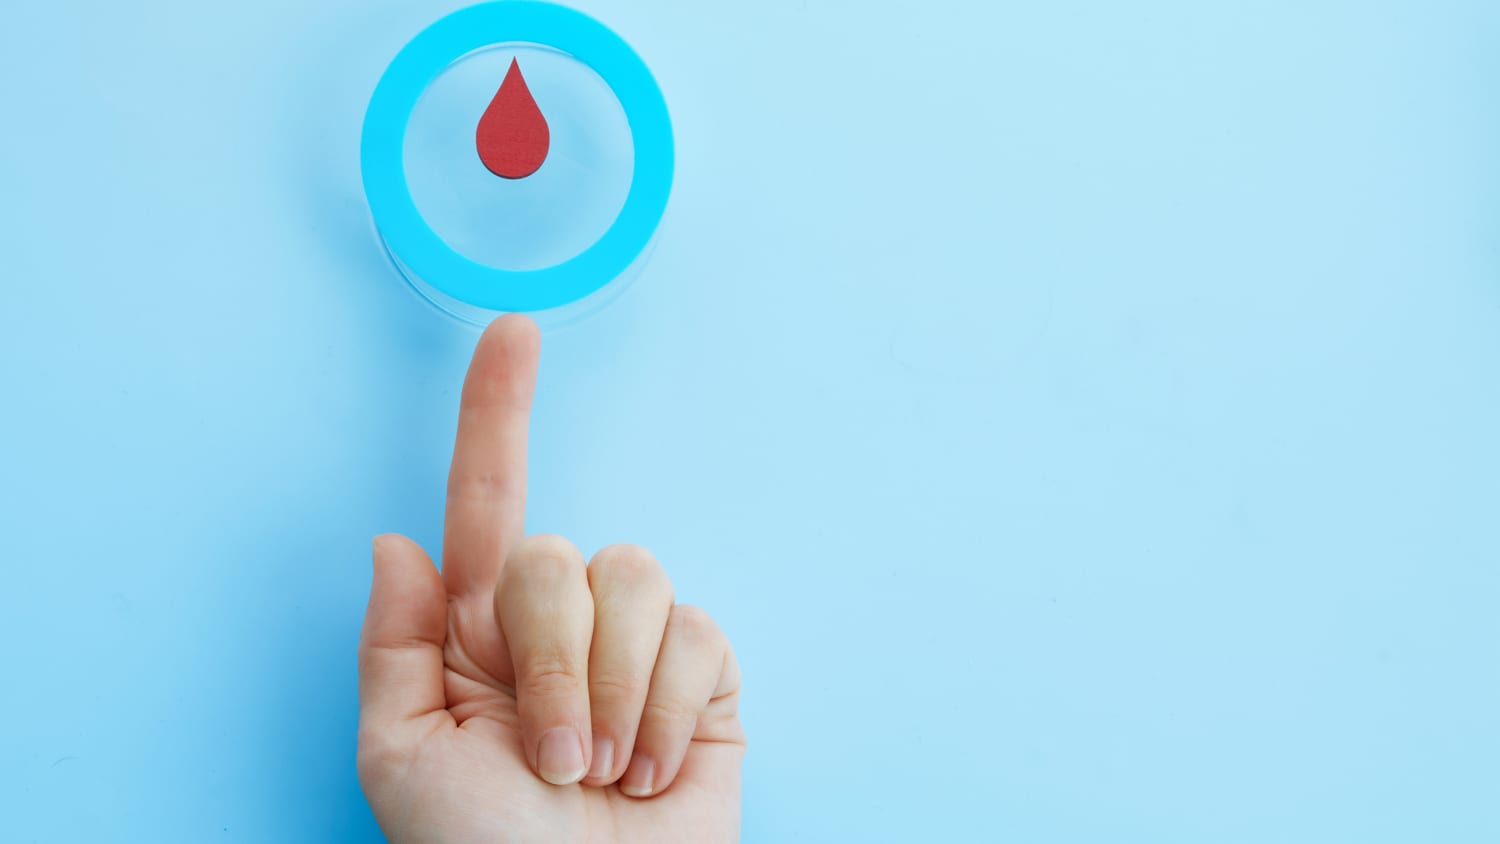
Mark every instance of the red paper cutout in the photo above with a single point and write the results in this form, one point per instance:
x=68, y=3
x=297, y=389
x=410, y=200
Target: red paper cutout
x=513, y=137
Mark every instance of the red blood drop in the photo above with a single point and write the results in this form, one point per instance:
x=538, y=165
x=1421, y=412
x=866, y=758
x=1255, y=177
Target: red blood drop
x=513, y=136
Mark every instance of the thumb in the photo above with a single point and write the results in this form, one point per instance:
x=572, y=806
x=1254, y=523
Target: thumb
x=401, y=647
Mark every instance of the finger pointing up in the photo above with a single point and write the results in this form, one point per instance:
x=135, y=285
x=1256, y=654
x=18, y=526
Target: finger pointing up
x=487, y=481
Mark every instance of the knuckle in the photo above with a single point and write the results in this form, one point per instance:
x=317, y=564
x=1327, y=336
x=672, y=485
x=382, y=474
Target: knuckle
x=477, y=486
x=544, y=551
x=612, y=686
x=626, y=563
x=380, y=755
x=670, y=712
x=549, y=677
x=625, y=558
x=694, y=624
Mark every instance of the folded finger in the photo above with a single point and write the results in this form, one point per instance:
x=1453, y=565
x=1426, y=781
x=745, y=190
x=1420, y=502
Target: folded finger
x=632, y=600
x=689, y=671
x=547, y=615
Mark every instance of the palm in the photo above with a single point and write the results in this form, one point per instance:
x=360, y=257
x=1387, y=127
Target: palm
x=454, y=766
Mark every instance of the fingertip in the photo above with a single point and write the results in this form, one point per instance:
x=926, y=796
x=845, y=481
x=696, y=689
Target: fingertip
x=393, y=549
x=602, y=763
x=640, y=778
x=402, y=571
x=384, y=544
x=560, y=758
x=518, y=332
x=515, y=321
x=502, y=374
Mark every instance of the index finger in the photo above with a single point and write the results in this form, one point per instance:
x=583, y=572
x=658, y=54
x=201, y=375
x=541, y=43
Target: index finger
x=486, y=509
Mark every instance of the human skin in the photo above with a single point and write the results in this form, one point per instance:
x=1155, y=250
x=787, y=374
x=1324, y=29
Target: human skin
x=522, y=695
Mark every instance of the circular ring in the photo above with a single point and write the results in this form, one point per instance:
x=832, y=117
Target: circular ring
x=413, y=241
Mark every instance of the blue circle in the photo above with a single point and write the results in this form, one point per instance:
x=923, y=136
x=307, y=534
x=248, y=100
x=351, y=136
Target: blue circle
x=419, y=248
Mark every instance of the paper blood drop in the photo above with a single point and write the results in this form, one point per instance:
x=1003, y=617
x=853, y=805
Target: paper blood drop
x=513, y=136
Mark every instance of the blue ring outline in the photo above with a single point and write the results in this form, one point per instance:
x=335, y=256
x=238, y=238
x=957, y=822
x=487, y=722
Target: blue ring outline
x=432, y=51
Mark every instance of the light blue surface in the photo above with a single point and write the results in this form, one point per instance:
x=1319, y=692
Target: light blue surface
x=1083, y=417
x=421, y=249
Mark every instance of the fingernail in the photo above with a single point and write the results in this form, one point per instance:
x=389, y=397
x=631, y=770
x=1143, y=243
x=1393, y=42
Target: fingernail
x=559, y=758
x=604, y=758
x=637, y=781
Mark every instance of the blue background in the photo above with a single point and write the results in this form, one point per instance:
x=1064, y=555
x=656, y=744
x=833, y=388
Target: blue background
x=1083, y=417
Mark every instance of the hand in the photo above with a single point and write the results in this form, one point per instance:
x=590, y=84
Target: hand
x=521, y=695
